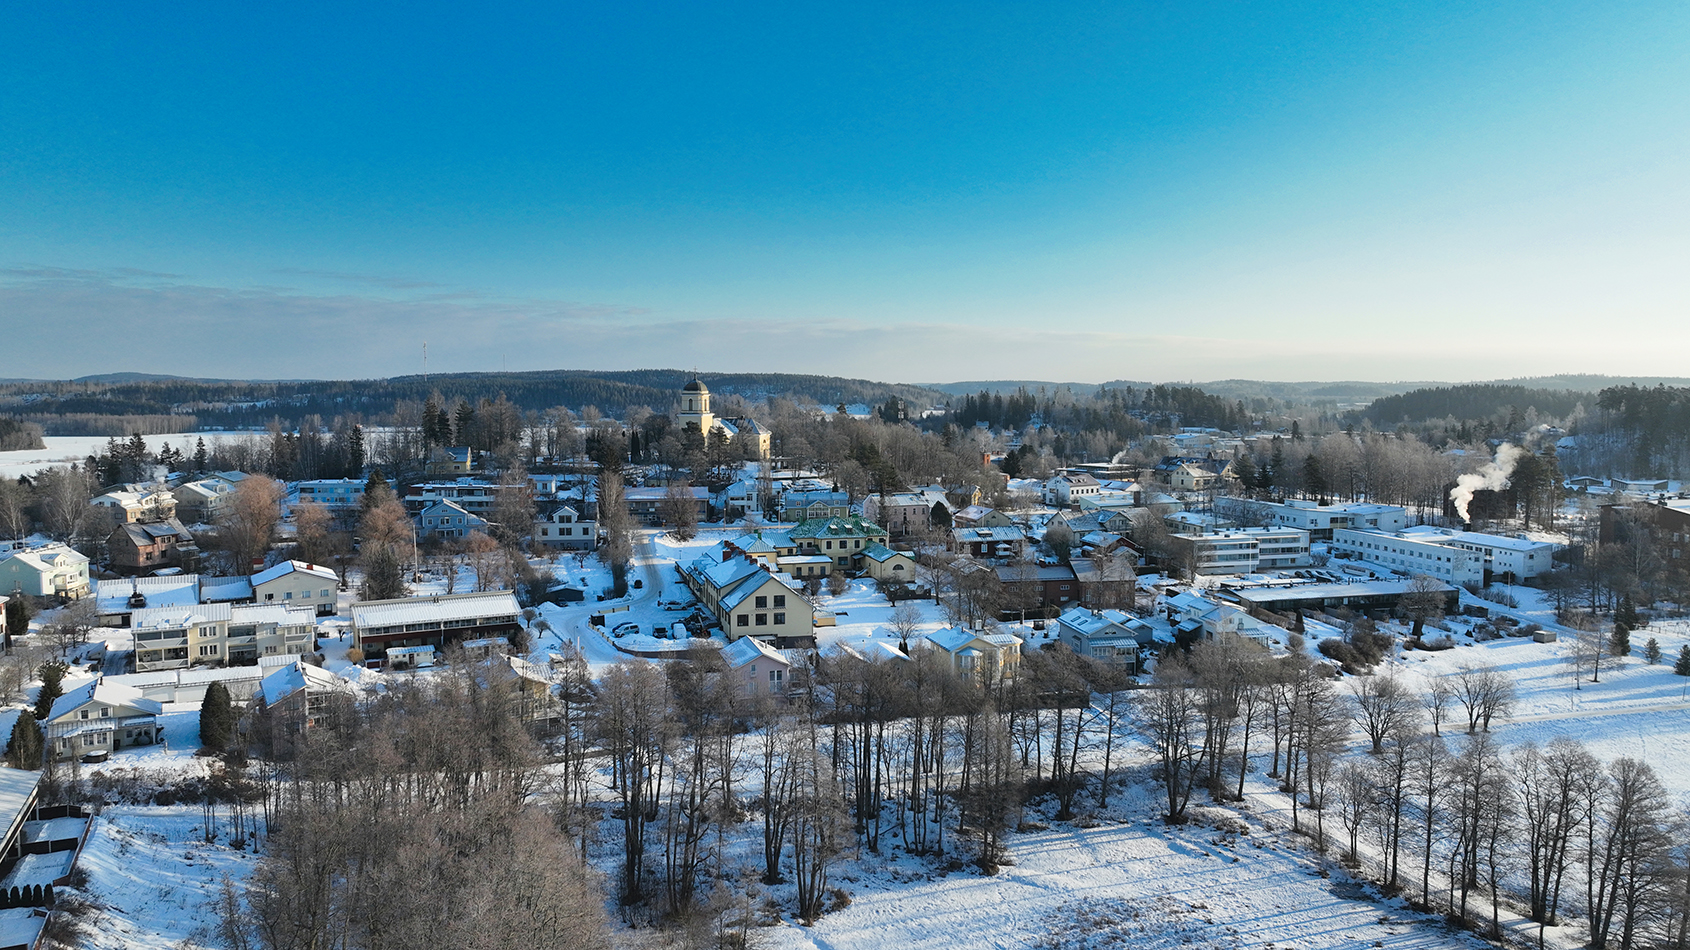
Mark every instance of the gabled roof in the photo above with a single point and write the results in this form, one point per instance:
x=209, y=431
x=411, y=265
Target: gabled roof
x=746, y=588
x=293, y=567
x=289, y=680
x=749, y=650
x=881, y=553
x=105, y=694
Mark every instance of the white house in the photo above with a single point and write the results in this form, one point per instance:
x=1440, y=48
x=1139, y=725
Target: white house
x=1067, y=488
x=984, y=658
x=565, y=529
x=1111, y=636
x=1318, y=520
x=101, y=717
x=297, y=584
x=47, y=570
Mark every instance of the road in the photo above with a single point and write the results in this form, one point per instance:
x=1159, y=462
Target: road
x=595, y=646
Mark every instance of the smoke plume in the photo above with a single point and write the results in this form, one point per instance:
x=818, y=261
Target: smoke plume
x=1493, y=476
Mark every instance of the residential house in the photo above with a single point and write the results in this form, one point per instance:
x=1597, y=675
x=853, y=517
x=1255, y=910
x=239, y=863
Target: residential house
x=647, y=504
x=144, y=547
x=436, y=621
x=202, y=501
x=136, y=504
x=884, y=564
x=45, y=570
x=470, y=494
x=1039, y=587
x=1667, y=518
x=747, y=599
x=903, y=512
x=814, y=505
x=118, y=599
x=1193, y=614
x=101, y=717
x=1065, y=489
x=757, y=668
x=979, y=516
x=343, y=497
x=842, y=539
x=213, y=634
x=450, y=460
x=1193, y=473
x=989, y=543
x=1110, y=636
x=301, y=696
x=530, y=686
x=447, y=521
x=564, y=529
x=298, y=584
x=984, y=658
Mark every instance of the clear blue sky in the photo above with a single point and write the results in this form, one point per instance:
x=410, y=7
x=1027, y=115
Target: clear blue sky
x=916, y=192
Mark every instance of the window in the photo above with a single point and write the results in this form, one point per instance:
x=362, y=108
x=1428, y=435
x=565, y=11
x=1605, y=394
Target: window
x=762, y=620
x=209, y=649
x=105, y=712
x=325, y=593
x=780, y=601
x=762, y=603
x=744, y=620
x=287, y=595
x=780, y=618
x=830, y=545
x=774, y=677
x=270, y=596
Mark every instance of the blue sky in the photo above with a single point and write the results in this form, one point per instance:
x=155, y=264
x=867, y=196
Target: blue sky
x=917, y=192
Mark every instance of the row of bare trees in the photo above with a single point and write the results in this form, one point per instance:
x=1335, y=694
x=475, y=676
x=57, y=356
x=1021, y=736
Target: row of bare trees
x=1452, y=819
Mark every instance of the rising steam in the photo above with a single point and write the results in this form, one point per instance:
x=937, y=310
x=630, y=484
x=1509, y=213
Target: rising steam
x=1492, y=477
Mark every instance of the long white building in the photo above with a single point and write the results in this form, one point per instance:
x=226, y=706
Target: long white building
x=1410, y=554
x=1318, y=520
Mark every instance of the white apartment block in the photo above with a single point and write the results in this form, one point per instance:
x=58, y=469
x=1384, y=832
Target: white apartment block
x=1520, y=557
x=1407, y=553
x=1318, y=520
x=170, y=638
x=1246, y=550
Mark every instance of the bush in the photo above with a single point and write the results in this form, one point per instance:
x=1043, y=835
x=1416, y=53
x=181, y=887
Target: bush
x=354, y=655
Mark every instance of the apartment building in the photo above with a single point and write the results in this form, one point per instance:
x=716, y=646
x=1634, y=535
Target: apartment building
x=1408, y=554
x=168, y=638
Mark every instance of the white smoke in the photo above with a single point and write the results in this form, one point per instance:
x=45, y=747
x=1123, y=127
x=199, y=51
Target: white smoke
x=1493, y=476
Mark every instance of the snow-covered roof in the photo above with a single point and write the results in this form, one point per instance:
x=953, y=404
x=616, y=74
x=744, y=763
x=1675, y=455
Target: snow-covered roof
x=882, y=553
x=173, y=618
x=175, y=591
x=435, y=609
x=300, y=676
x=225, y=588
x=293, y=567
x=104, y=693
x=749, y=650
x=282, y=614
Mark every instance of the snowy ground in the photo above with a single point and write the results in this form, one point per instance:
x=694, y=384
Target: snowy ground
x=66, y=449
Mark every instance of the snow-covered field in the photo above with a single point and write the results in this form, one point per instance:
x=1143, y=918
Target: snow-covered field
x=65, y=449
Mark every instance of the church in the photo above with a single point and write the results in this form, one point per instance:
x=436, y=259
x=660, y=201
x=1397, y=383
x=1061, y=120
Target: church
x=695, y=413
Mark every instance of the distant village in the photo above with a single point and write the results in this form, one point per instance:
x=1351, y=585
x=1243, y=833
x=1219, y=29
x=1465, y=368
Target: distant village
x=758, y=547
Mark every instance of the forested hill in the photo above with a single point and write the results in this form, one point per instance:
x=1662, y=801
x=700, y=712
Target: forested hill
x=91, y=406
x=1471, y=402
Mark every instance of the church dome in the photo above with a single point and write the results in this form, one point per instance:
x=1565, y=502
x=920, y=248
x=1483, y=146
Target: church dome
x=696, y=387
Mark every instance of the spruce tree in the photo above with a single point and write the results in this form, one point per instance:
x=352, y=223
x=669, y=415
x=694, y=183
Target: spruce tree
x=1682, y=667
x=1627, y=613
x=1652, y=651
x=52, y=687
x=23, y=750
x=202, y=460
x=217, y=718
x=1620, y=643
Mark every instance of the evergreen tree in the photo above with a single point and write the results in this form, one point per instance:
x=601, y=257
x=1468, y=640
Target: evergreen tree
x=1652, y=651
x=1244, y=469
x=1627, y=613
x=1682, y=667
x=1620, y=643
x=355, y=451
x=217, y=718
x=201, y=459
x=23, y=750
x=52, y=687
x=18, y=613
x=939, y=516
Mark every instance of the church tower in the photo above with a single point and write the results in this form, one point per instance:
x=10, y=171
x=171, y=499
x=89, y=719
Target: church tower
x=695, y=408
